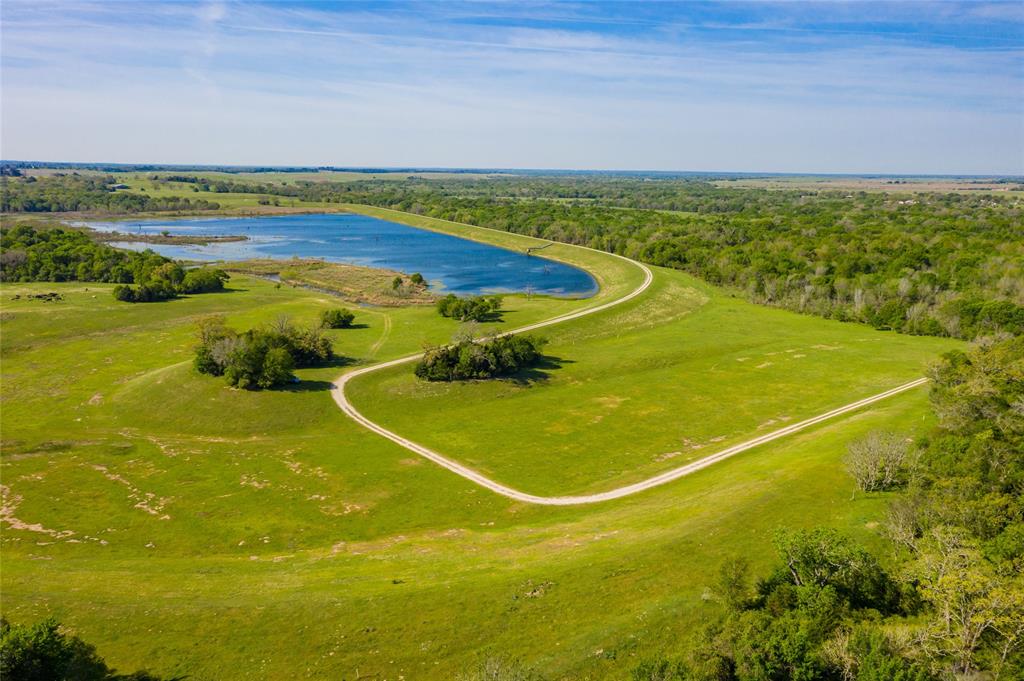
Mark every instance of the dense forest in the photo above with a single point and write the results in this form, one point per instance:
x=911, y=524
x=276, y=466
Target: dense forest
x=30, y=254
x=60, y=193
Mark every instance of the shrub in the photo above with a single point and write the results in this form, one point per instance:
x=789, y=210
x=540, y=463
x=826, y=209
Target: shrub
x=660, y=670
x=500, y=669
x=309, y=346
x=145, y=293
x=338, y=318
x=45, y=652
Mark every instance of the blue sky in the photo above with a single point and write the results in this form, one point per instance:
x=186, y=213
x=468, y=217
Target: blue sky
x=912, y=87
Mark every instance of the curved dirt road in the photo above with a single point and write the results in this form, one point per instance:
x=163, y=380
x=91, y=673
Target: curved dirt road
x=338, y=393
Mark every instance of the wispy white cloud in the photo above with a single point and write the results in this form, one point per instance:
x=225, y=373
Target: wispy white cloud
x=494, y=85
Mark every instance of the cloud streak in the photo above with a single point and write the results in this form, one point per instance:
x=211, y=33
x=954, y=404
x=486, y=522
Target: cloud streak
x=701, y=87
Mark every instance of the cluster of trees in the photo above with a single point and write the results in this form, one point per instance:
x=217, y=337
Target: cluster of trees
x=262, y=357
x=951, y=606
x=336, y=318
x=466, y=359
x=45, y=651
x=475, y=308
x=59, y=193
x=171, y=279
x=30, y=254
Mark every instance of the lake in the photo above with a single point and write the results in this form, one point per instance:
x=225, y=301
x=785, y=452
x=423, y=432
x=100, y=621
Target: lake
x=449, y=263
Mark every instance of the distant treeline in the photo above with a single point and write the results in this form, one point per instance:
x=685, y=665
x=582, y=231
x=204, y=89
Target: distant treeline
x=61, y=193
x=228, y=186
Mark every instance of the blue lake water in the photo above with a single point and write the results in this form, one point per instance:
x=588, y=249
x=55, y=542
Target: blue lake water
x=449, y=263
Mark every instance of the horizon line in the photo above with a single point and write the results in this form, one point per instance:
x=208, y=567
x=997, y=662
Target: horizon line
x=492, y=169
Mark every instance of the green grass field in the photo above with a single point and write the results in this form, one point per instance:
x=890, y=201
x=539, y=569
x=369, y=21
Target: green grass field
x=192, y=529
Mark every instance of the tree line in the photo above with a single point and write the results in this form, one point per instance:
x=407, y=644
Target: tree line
x=61, y=193
x=935, y=270
x=925, y=263
x=942, y=264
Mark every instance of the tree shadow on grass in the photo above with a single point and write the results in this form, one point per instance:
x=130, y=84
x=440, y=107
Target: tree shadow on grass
x=540, y=371
x=496, y=317
x=307, y=387
x=337, y=362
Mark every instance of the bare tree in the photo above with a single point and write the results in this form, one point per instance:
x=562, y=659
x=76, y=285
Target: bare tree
x=875, y=461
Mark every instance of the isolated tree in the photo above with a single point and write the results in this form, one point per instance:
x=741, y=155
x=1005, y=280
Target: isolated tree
x=337, y=318
x=875, y=461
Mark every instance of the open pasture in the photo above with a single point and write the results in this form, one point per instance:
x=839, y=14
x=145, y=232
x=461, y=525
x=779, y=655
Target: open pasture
x=153, y=509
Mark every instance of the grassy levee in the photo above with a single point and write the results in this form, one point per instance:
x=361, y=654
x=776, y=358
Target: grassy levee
x=192, y=529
